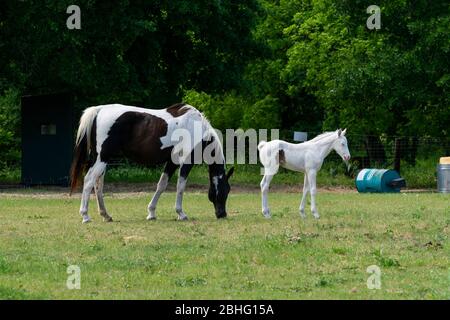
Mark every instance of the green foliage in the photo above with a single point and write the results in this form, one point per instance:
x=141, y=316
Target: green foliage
x=143, y=52
x=309, y=65
x=373, y=81
x=233, y=111
x=9, y=128
x=224, y=111
x=264, y=113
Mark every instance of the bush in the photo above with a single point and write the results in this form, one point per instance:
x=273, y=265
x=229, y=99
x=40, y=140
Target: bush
x=263, y=114
x=224, y=112
x=9, y=129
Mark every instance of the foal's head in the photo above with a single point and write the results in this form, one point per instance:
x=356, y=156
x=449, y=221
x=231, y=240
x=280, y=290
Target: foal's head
x=340, y=145
x=219, y=188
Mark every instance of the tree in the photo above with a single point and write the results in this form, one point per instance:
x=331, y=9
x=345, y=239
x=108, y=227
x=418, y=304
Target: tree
x=142, y=52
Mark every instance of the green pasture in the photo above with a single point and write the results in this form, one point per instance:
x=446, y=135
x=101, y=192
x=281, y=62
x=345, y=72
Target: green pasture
x=332, y=174
x=242, y=257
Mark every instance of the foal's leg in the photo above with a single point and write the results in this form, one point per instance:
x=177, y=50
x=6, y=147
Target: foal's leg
x=181, y=186
x=100, y=203
x=89, y=180
x=265, y=183
x=305, y=194
x=312, y=174
x=169, y=170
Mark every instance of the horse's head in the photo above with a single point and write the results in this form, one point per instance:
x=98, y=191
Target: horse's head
x=340, y=145
x=218, y=191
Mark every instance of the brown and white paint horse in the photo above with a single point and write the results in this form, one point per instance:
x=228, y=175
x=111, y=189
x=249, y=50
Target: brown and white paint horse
x=146, y=137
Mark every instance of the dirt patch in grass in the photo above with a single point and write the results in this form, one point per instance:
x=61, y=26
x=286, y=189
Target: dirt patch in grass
x=121, y=190
x=140, y=189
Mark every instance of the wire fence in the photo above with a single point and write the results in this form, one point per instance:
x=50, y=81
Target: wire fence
x=372, y=151
x=392, y=151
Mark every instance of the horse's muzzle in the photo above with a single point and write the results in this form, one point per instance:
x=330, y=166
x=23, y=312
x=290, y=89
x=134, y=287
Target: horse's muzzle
x=221, y=214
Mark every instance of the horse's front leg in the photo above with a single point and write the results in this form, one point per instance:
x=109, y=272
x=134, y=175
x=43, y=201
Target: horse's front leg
x=312, y=175
x=181, y=186
x=169, y=170
x=305, y=194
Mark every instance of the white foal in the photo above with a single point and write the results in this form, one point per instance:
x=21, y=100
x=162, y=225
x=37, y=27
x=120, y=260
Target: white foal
x=306, y=157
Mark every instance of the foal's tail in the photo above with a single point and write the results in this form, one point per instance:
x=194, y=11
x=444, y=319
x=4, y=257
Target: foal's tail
x=82, y=146
x=261, y=144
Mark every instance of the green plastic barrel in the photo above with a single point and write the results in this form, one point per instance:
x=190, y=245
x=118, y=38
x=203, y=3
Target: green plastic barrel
x=379, y=180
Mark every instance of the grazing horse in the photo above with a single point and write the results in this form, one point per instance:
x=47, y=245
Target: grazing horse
x=146, y=137
x=306, y=157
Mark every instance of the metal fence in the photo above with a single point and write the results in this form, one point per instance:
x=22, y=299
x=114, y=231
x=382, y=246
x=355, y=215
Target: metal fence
x=375, y=151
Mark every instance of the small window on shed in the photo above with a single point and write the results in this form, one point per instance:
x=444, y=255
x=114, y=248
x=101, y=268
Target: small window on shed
x=48, y=129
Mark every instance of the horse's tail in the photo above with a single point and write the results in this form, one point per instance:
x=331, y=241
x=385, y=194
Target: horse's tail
x=261, y=145
x=82, y=146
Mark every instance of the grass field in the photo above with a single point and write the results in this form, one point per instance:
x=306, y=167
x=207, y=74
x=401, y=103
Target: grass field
x=332, y=174
x=244, y=256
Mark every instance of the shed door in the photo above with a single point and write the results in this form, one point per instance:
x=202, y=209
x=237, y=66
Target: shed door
x=47, y=139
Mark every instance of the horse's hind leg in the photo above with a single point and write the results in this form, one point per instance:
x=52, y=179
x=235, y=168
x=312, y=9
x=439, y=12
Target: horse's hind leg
x=169, y=170
x=265, y=183
x=312, y=174
x=100, y=203
x=89, y=180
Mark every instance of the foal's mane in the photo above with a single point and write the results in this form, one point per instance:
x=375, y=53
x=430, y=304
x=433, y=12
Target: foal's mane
x=322, y=136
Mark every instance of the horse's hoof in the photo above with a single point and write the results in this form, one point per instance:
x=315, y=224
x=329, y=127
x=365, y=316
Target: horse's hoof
x=150, y=218
x=107, y=219
x=183, y=218
x=302, y=215
x=316, y=215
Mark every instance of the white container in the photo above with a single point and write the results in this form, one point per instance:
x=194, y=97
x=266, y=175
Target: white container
x=300, y=136
x=443, y=178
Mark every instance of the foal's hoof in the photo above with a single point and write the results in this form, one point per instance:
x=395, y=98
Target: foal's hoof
x=316, y=215
x=183, y=218
x=150, y=218
x=267, y=214
x=107, y=219
x=86, y=220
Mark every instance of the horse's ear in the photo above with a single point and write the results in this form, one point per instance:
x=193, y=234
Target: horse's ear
x=344, y=132
x=230, y=172
x=339, y=132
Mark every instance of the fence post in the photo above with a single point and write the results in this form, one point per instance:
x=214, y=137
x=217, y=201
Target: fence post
x=397, y=154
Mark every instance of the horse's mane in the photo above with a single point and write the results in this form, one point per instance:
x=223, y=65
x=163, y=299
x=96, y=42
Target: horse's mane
x=211, y=132
x=322, y=136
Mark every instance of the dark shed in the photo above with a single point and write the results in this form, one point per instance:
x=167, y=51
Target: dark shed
x=47, y=139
